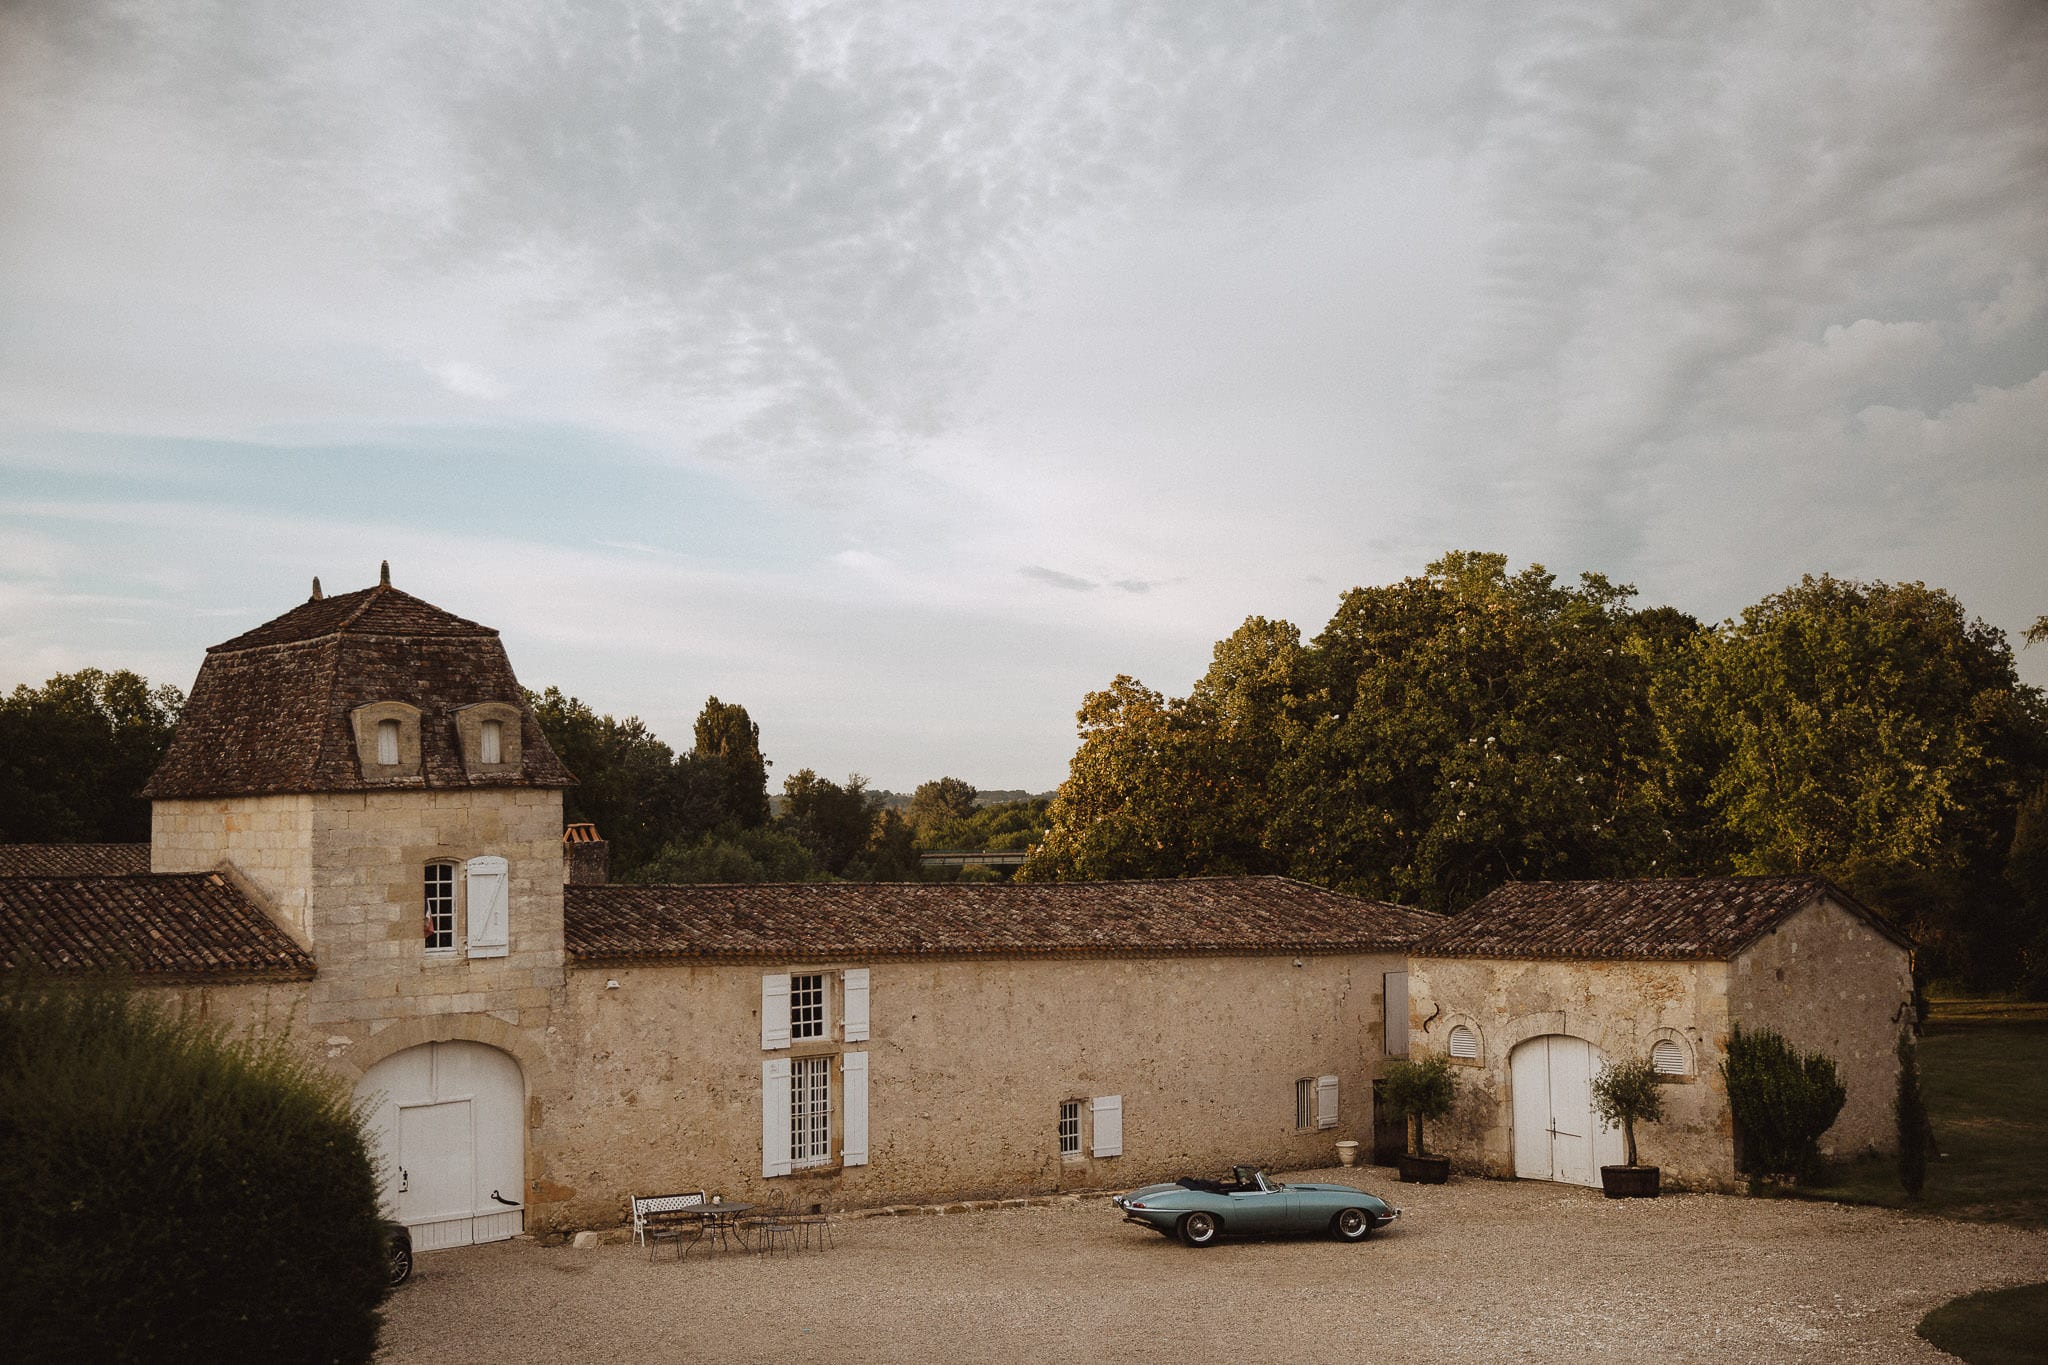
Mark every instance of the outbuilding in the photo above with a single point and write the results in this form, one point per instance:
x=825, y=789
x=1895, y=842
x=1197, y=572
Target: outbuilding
x=1540, y=984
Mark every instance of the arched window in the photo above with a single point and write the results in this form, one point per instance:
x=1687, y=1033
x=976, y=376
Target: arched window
x=491, y=747
x=387, y=742
x=1668, y=1057
x=1464, y=1043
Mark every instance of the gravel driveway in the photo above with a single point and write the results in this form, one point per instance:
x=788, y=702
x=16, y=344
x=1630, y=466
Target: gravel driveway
x=1477, y=1270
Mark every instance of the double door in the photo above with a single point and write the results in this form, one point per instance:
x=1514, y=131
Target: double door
x=1557, y=1135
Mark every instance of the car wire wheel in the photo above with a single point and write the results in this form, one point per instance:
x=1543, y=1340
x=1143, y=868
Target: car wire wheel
x=1200, y=1229
x=1352, y=1225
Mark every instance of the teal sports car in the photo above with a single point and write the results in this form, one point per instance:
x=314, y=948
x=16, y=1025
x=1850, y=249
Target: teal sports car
x=1249, y=1204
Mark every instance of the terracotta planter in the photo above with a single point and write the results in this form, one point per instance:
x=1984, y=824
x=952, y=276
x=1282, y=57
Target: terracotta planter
x=1424, y=1170
x=1630, y=1182
x=1347, y=1153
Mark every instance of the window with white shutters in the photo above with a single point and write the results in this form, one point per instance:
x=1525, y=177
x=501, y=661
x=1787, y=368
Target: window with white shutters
x=1070, y=1127
x=1463, y=1043
x=853, y=1111
x=807, y=1006
x=853, y=986
x=489, y=910
x=1106, y=1113
x=775, y=1114
x=810, y=1111
x=440, y=907
x=1669, y=1058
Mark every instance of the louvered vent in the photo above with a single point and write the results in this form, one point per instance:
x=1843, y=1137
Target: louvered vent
x=1464, y=1044
x=1668, y=1057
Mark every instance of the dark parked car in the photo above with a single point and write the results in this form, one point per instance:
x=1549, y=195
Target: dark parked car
x=1248, y=1203
x=398, y=1253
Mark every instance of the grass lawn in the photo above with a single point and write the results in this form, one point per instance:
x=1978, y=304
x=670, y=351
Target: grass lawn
x=1996, y=1327
x=1984, y=1069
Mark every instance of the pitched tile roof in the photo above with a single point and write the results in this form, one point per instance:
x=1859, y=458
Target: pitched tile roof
x=269, y=712
x=849, y=919
x=1675, y=919
x=156, y=928
x=72, y=860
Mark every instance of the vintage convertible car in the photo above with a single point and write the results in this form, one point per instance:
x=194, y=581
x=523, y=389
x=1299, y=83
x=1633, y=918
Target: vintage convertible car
x=1250, y=1204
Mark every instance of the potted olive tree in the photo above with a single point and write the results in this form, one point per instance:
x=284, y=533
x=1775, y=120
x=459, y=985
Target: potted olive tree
x=1628, y=1093
x=1419, y=1091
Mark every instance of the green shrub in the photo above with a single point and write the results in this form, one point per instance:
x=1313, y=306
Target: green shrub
x=1420, y=1090
x=1628, y=1093
x=171, y=1195
x=1783, y=1100
x=1911, y=1111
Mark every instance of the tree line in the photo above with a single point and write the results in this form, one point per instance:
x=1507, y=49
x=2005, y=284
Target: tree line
x=1469, y=726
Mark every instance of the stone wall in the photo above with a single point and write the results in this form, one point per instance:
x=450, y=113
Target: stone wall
x=1621, y=1007
x=1829, y=982
x=969, y=1062
x=266, y=842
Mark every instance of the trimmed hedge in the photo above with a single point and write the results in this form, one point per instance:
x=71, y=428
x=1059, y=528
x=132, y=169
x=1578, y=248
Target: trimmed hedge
x=168, y=1194
x=1783, y=1100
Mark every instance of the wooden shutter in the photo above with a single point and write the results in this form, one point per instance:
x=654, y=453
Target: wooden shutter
x=854, y=988
x=1394, y=1026
x=488, y=909
x=853, y=1109
x=1107, y=1113
x=775, y=1116
x=1326, y=1101
x=775, y=1014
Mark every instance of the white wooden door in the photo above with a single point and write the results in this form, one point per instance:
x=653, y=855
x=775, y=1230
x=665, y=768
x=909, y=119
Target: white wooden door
x=1557, y=1136
x=437, y=1173
x=447, y=1121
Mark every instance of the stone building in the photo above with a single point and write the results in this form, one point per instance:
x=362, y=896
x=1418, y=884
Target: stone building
x=1538, y=985
x=358, y=845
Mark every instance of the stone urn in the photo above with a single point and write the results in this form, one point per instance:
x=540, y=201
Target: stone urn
x=1347, y=1153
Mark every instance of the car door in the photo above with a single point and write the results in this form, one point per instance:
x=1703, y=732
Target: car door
x=1259, y=1211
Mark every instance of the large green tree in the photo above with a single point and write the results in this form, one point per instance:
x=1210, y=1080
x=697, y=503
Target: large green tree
x=835, y=822
x=941, y=801
x=729, y=741
x=74, y=753
x=633, y=787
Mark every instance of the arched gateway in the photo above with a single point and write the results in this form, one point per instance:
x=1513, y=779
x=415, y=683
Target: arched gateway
x=450, y=1141
x=1556, y=1133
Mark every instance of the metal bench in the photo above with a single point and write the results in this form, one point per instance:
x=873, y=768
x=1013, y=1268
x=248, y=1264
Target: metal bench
x=668, y=1217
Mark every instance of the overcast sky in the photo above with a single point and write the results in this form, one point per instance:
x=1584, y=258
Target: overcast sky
x=906, y=371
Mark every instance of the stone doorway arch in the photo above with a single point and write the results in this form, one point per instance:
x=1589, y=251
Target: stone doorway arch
x=447, y=1125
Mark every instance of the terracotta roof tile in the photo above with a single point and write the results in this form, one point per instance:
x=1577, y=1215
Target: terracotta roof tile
x=269, y=712
x=889, y=919
x=1675, y=919
x=164, y=927
x=72, y=860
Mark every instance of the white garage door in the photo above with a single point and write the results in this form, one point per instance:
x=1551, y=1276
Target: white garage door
x=450, y=1138
x=1557, y=1135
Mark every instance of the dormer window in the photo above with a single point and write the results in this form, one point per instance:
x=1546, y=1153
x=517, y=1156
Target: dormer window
x=488, y=732
x=387, y=743
x=387, y=740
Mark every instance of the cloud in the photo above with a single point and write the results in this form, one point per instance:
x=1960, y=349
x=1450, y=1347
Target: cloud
x=1054, y=578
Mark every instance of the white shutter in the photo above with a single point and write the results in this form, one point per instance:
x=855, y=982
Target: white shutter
x=1107, y=1113
x=775, y=1116
x=853, y=1109
x=1395, y=1024
x=1326, y=1101
x=1464, y=1044
x=775, y=1013
x=1668, y=1057
x=855, y=988
x=486, y=879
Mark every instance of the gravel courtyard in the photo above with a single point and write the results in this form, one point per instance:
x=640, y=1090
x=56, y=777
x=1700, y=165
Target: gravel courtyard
x=1477, y=1270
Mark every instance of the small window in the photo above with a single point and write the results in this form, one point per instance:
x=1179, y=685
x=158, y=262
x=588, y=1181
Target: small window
x=807, y=1006
x=1464, y=1043
x=810, y=1111
x=1668, y=1057
x=491, y=746
x=387, y=742
x=440, y=903
x=1070, y=1127
x=1305, y=1102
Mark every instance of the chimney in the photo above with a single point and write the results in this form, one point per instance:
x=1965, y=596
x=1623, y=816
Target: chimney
x=586, y=859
